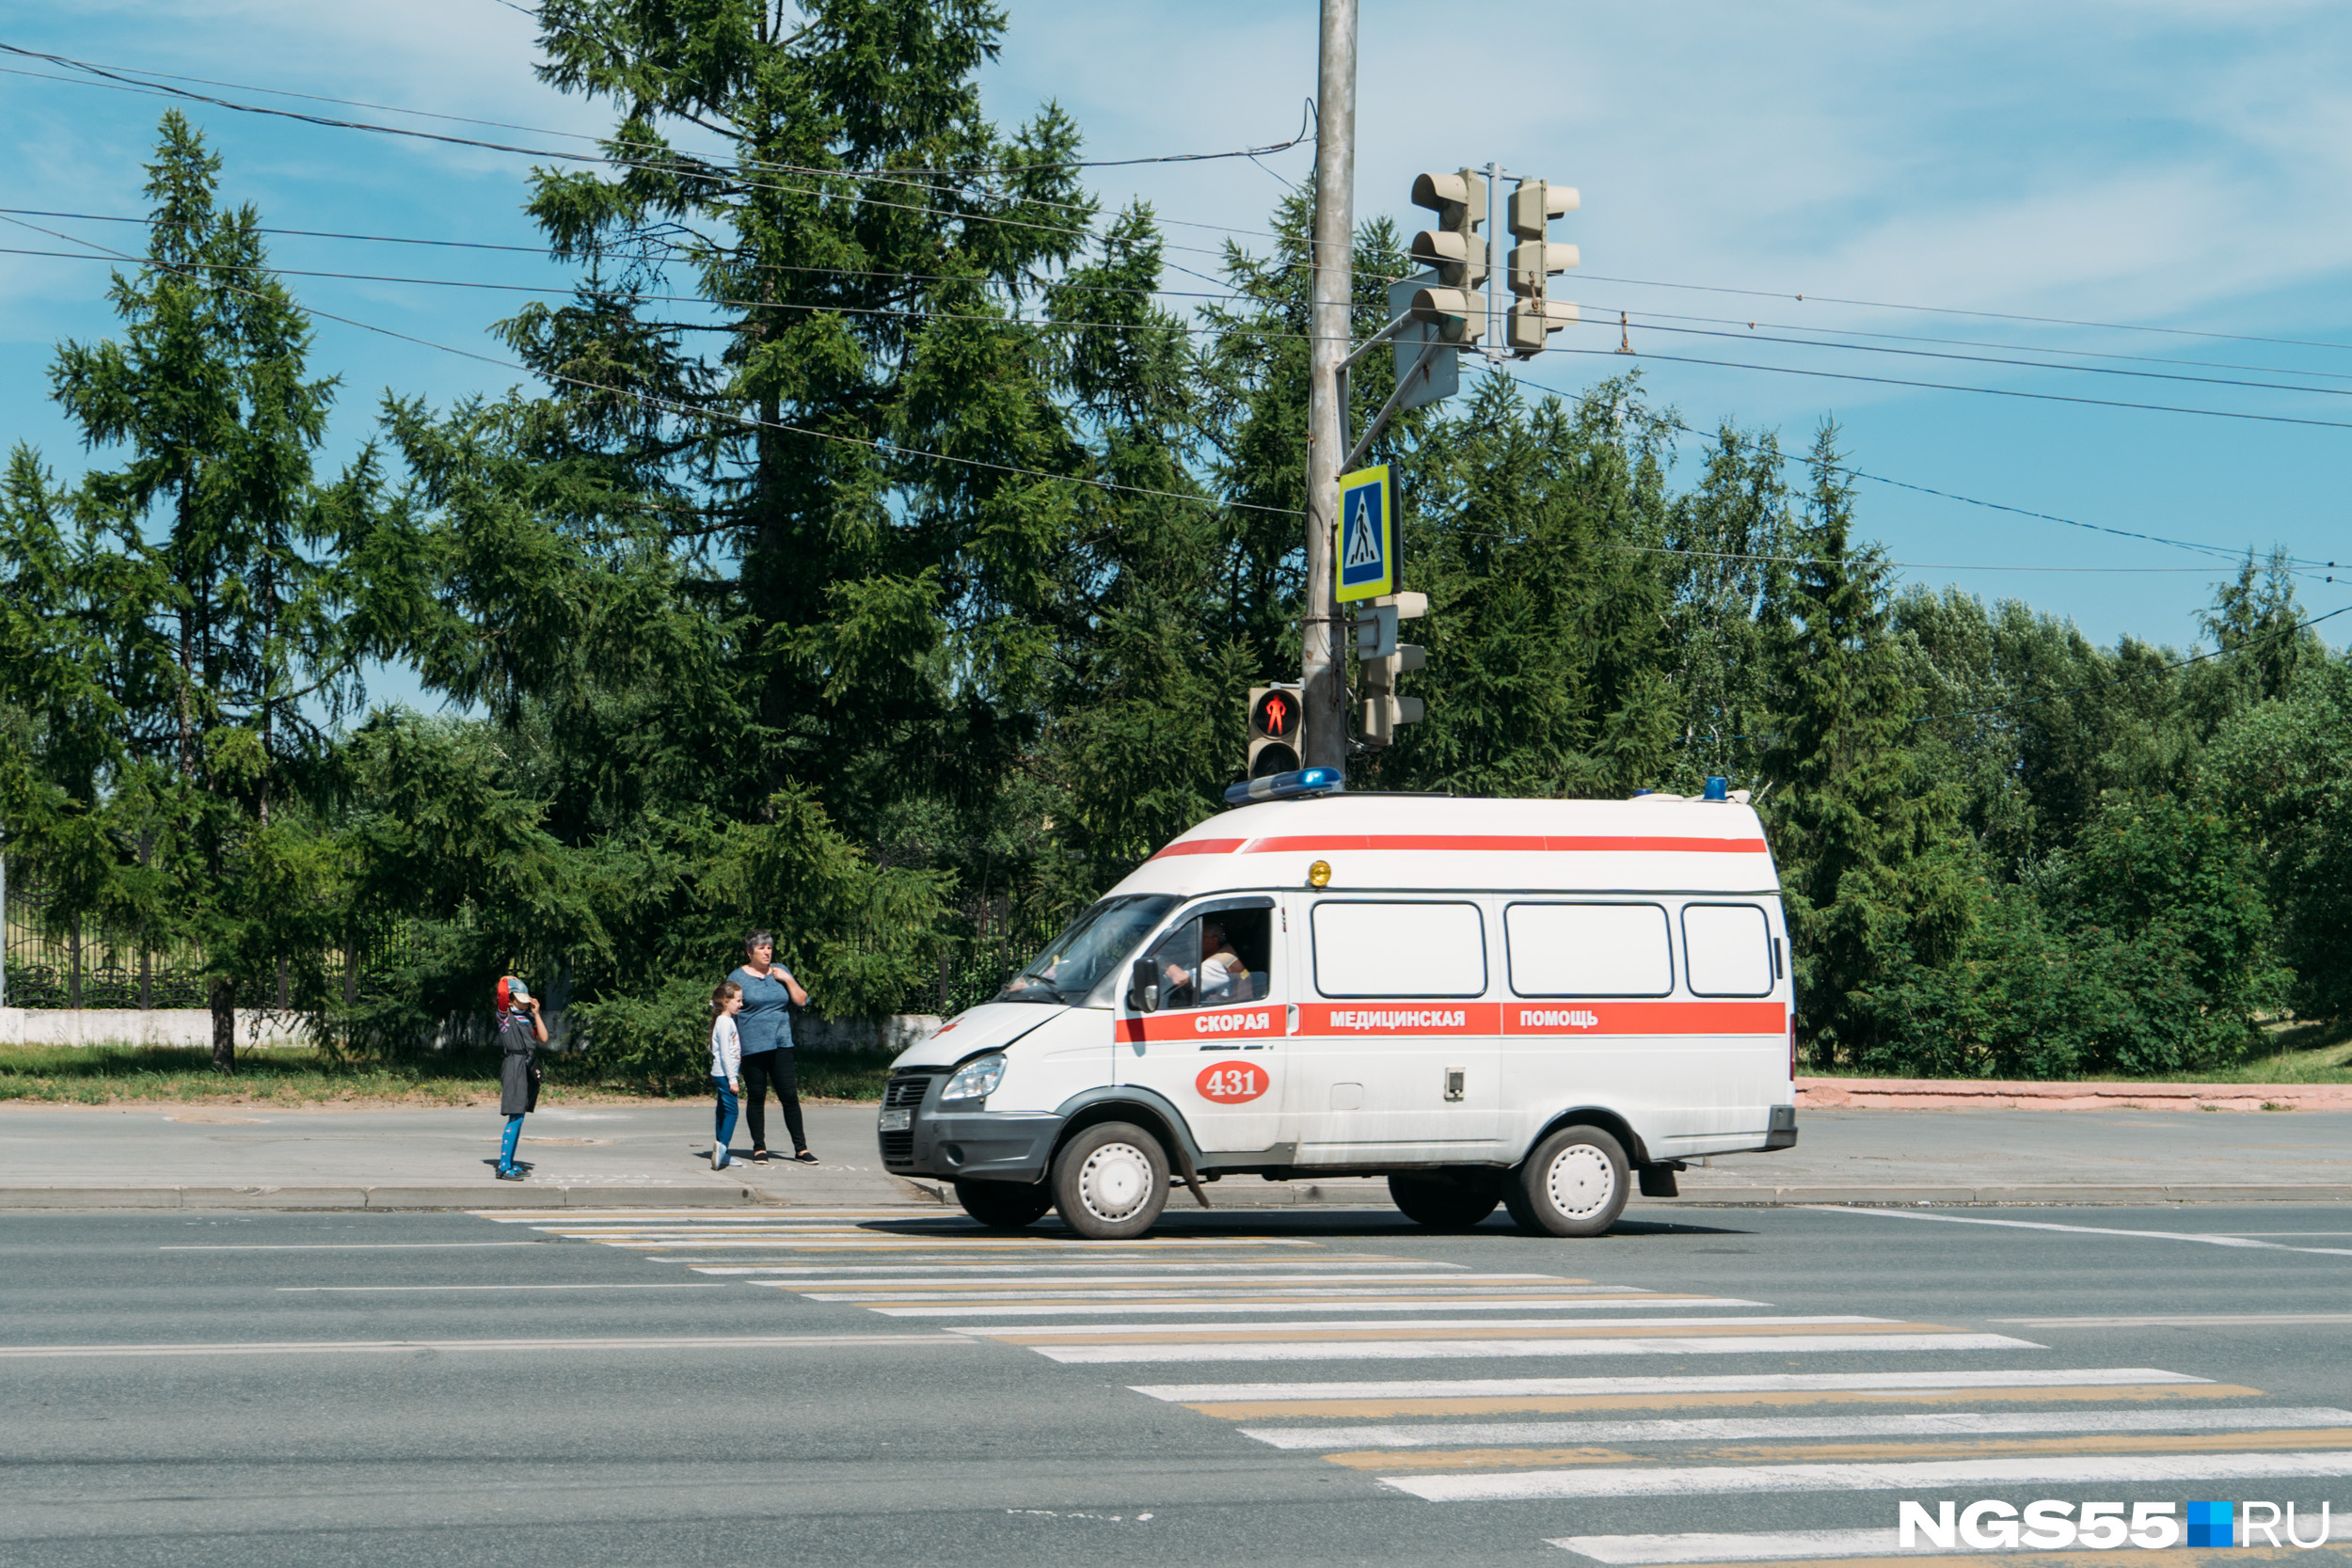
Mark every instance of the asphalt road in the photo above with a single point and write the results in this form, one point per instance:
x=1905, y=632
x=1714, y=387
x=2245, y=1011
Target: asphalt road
x=664, y=1389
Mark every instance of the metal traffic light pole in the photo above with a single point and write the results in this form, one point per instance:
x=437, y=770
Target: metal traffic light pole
x=1332, y=326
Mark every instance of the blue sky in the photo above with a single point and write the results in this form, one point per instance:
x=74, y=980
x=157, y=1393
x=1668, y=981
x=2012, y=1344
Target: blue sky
x=2179, y=166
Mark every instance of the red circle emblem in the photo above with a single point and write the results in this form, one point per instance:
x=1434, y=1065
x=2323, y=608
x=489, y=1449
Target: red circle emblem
x=1232, y=1083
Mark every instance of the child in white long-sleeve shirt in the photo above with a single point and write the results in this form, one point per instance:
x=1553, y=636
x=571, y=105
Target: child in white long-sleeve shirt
x=726, y=1066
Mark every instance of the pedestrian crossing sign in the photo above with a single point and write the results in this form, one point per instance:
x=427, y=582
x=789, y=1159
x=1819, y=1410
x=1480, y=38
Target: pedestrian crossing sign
x=1366, y=553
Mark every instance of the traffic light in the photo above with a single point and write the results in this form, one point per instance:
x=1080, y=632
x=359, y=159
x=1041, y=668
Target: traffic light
x=1383, y=659
x=1455, y=252
x=1277, y=730
x=1537, y=258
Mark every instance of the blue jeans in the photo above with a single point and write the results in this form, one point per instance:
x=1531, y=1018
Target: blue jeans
x=506, y=1144
x=726, y=1115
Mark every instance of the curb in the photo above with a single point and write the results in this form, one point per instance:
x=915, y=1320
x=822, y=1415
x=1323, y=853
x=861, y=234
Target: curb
x=1304, y=1195
x=1940, y=1094
x=2085, y=1196
x=525, y=1195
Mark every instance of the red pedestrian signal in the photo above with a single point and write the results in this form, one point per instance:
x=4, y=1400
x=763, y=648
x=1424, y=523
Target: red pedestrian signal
x=1276, y=723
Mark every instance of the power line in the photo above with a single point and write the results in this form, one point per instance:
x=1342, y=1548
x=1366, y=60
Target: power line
x=672, y=406
x=1305, y=132
x=1058, y=284
x=675, y=163
x=1982, y=315
x=1985, y=359
x=1982, y=391
x=1978, y=343
x=574, y=290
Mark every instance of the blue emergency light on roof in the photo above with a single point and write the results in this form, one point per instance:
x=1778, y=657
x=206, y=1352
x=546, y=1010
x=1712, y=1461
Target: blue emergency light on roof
x=1286, y=786
x=1718, y=788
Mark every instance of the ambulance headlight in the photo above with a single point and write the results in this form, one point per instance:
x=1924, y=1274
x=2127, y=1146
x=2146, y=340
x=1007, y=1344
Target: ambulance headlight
x=975, y=1079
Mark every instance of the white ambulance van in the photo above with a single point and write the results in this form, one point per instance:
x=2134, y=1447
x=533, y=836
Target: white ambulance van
x=1535, y=1003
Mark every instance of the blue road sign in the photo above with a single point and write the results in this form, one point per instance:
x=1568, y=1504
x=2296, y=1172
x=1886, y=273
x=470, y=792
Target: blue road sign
x=1367, y=554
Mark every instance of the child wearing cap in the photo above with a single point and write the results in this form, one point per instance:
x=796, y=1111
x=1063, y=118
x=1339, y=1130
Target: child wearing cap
x=521, y=1032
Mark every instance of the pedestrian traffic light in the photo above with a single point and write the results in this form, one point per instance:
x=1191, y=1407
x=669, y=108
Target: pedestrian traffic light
x=1382, y=659
x=1533, y=204
x=1452, y=248
x=1277, y=730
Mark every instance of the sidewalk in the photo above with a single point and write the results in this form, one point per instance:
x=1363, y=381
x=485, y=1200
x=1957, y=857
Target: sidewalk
x=644, y=1155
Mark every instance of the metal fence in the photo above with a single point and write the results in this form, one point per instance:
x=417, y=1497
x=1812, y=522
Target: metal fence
x=85, y=967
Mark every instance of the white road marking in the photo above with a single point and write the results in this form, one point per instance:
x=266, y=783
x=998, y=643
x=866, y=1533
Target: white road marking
x=1660, y=1551
x=2039, y=1470
x=2225, y=1320
x=1664, y=1551
x=893, y=1243
x=1762, y=1382
x=336, y=1247
x=931, y=1284
x=1238, y=1271
x=641, y=1285
x=1952, y=1423
x=395, y=1347
x=1417, y=1304
x=1474, y=1350
x=2208, y=1238
x=1319, y=1325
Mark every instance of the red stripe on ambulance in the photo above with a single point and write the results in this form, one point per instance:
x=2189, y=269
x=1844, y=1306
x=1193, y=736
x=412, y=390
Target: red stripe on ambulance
x=1400, y=1018
x=1225, y=1023
x=1508, y=844
x=1644, y=1018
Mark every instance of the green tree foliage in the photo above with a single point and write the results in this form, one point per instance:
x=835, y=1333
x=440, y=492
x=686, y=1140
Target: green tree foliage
x=878, y=558
x=189, y=588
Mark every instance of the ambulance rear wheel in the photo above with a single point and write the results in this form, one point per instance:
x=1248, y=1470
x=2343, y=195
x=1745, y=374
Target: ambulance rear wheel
x=1005, y=1205
x=1110, y=1181
x=1573, y=1184
x=1439, y=1204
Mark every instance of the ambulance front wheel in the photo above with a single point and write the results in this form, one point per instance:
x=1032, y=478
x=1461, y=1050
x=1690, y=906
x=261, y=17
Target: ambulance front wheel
x=1442, y=1205
x=1110, y=1181
x=1004, y=1205
x=1573, y=1184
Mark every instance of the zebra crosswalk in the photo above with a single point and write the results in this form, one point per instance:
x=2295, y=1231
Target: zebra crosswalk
x=1905, y=1409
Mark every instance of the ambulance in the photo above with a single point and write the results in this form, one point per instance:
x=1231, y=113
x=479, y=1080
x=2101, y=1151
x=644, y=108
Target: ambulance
x=1540, y=1004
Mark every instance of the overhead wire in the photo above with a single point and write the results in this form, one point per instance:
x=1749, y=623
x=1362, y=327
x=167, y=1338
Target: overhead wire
x=1982, y=315
x=672, y=406
x=110, y=255
x=675, y=163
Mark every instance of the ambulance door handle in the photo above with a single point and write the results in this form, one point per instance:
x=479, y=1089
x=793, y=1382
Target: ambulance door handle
x=1291, y=1019
x=1454, y=1076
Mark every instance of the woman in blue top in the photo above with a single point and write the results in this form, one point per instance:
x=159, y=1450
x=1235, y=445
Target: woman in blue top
x=765, y=1023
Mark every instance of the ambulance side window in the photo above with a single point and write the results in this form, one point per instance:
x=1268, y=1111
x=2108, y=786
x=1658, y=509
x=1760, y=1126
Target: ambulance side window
x=1726, y=950
x=1217, y=960
x=1399, y=949
x=1588, y=950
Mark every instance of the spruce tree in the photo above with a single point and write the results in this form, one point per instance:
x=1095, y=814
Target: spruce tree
x=221, y=638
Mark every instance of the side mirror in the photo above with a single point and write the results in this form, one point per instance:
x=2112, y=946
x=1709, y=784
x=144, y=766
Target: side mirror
x=1143, y=986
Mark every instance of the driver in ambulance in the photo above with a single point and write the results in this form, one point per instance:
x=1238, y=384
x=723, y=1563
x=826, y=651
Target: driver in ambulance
x=1221, y=976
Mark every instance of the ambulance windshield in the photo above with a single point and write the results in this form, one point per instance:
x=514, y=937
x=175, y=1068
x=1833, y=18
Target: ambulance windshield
x=1095, y=944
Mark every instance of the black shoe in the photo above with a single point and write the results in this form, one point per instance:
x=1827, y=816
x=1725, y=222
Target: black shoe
x=759, y=1156
x=510, y=1174
x=804, y=1156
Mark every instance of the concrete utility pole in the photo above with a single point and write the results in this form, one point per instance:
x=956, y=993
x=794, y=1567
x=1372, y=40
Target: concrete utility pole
x=1331, y=321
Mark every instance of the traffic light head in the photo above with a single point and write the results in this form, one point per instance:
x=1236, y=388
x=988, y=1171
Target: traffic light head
x=1535, y=203
x=1277, y=730
x=1452, y=250
x=1458, y=314
x=1453, y=197
x=1534, y=262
